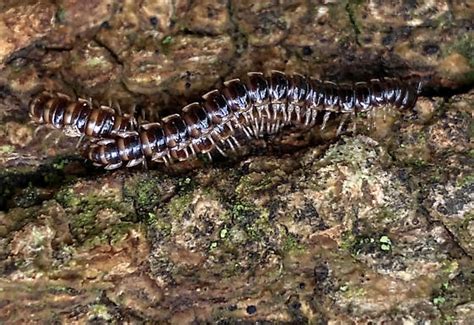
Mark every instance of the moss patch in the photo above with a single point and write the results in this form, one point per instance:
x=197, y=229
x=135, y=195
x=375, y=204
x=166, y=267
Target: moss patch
x=366, y=244
x=292, y=244
x=252, y=219
x=96, y=219
x=179, y=204
x=464, y=46
x=256, y=182
x=147, y=193
x=51, y=176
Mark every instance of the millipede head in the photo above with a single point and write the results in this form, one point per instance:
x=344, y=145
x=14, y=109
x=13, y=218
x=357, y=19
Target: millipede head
x=38, y=105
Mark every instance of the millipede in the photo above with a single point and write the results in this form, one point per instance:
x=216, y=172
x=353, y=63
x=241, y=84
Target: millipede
x=247, y=108
x=78, y=117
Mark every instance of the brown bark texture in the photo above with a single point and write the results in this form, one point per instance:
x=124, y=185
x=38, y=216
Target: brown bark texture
x=303, y=227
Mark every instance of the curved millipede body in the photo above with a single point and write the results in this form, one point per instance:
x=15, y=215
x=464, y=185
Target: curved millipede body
x=252, y=107
x=78, y=117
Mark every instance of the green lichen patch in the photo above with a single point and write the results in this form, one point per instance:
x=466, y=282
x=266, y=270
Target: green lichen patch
x=29, y=196
x=163, y=226
x=352, y=292
x=99, y=312
x=351, y=186
x=147, y=192
x=452, y=292
x=6, y=149
x=465, y=180
x=351, y=7
x=292, y=244
x=96, y=218
x=366, y=244
x=464, y=45
x=412, y=148
x=354, y=152
x=60, y=15
x=16, y=184
x=167, y=40
x=255, y=182
x=15, y=219
x=112, y=234
x=252, y=219
x=455, y=209
x=179, y=204
x=93, y=63
x=385, y=243
x=186, y=184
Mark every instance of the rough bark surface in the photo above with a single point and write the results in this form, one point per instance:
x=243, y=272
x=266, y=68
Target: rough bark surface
x=375, y=226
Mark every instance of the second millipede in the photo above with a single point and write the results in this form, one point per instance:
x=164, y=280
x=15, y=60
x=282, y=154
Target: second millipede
x=257, y=105
x=78, y=117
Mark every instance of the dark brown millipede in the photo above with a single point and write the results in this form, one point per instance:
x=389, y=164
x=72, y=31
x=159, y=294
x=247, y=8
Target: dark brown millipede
x=255, y=106
x=78, y=117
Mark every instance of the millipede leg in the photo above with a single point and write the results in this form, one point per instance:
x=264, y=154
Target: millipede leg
x=249, y=131
x=209, y=156
x=231, y=145
x=48, y=135
x=277, y=126
x=298, y=114
x=259, y=112
x=135, y=162
x=236, y=142
x=111, y=166
x=313, y=117
x=256, y=128
x=80, y=140
x=142, y=112
x=309, y=112
x=220, y=150
x=284, y=112
x=289, y=112
x=145, y=165
x=246, y=132
x=193, y=152
x=354, y=122
x=267, y=111
x=325, y=119
x=167, y=160
x=272, y=121
x=275, y=118
x=246, y=117
x=341, y=124
x=229, y=125
x=38, y=129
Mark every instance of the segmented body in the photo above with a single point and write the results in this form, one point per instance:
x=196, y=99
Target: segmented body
x=252, y=107
x=78, y=117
